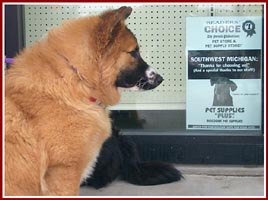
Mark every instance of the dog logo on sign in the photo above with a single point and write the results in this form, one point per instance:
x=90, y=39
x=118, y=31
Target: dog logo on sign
x=223, y=87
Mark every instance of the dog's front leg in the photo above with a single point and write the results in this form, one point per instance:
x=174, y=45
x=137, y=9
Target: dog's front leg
x=61, y=181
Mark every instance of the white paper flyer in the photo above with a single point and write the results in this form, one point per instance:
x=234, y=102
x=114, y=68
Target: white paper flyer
x=224, y=70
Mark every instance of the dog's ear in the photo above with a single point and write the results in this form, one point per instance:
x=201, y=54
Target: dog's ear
x=114, y=17
x=111, y=20
x=110, y=24
x=233, y=86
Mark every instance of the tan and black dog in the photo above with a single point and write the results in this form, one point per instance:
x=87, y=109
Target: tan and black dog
x=55, y=98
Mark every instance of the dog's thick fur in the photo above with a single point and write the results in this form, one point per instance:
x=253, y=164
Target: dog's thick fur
x=119, y=158
x=53, y=129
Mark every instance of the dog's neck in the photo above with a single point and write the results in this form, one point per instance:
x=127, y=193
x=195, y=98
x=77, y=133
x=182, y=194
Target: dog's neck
x=96, y=101
x=91, y=99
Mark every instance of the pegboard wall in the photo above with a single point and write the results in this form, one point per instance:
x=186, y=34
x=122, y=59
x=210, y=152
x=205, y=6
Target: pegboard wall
x=160, y=30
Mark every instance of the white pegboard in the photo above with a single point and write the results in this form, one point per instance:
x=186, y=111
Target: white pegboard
x=160, y=30
x=238, y=9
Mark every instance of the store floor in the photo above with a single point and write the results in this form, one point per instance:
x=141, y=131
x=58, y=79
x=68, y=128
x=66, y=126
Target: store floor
x=198, y=181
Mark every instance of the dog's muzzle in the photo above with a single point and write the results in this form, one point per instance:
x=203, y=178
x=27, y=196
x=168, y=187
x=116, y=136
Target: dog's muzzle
x=143, y=77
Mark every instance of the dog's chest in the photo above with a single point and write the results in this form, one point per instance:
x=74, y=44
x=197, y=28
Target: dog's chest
x=89, y=168
x=102, y=131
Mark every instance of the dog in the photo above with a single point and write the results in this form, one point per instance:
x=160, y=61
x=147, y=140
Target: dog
x=56, y=94
x=222, y=96
x=119, y=158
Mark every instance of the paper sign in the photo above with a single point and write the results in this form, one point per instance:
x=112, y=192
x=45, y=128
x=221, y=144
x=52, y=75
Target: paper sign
x=224, y=67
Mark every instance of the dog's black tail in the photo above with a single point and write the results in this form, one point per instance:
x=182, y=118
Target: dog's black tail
x=151, y=173
x=138, y=172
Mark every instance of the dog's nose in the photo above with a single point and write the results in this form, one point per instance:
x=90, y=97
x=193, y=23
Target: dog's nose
x=153, y=77
x=151, y=80
x=158, y=79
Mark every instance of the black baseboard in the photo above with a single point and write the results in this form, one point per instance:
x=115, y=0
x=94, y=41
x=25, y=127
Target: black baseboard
x=235, y=150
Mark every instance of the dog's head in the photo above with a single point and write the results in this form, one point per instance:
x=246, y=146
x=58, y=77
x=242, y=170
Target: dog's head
x=104, y=54
x=121, y=47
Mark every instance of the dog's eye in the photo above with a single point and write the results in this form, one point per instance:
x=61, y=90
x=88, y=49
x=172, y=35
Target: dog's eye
x=135, y=53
